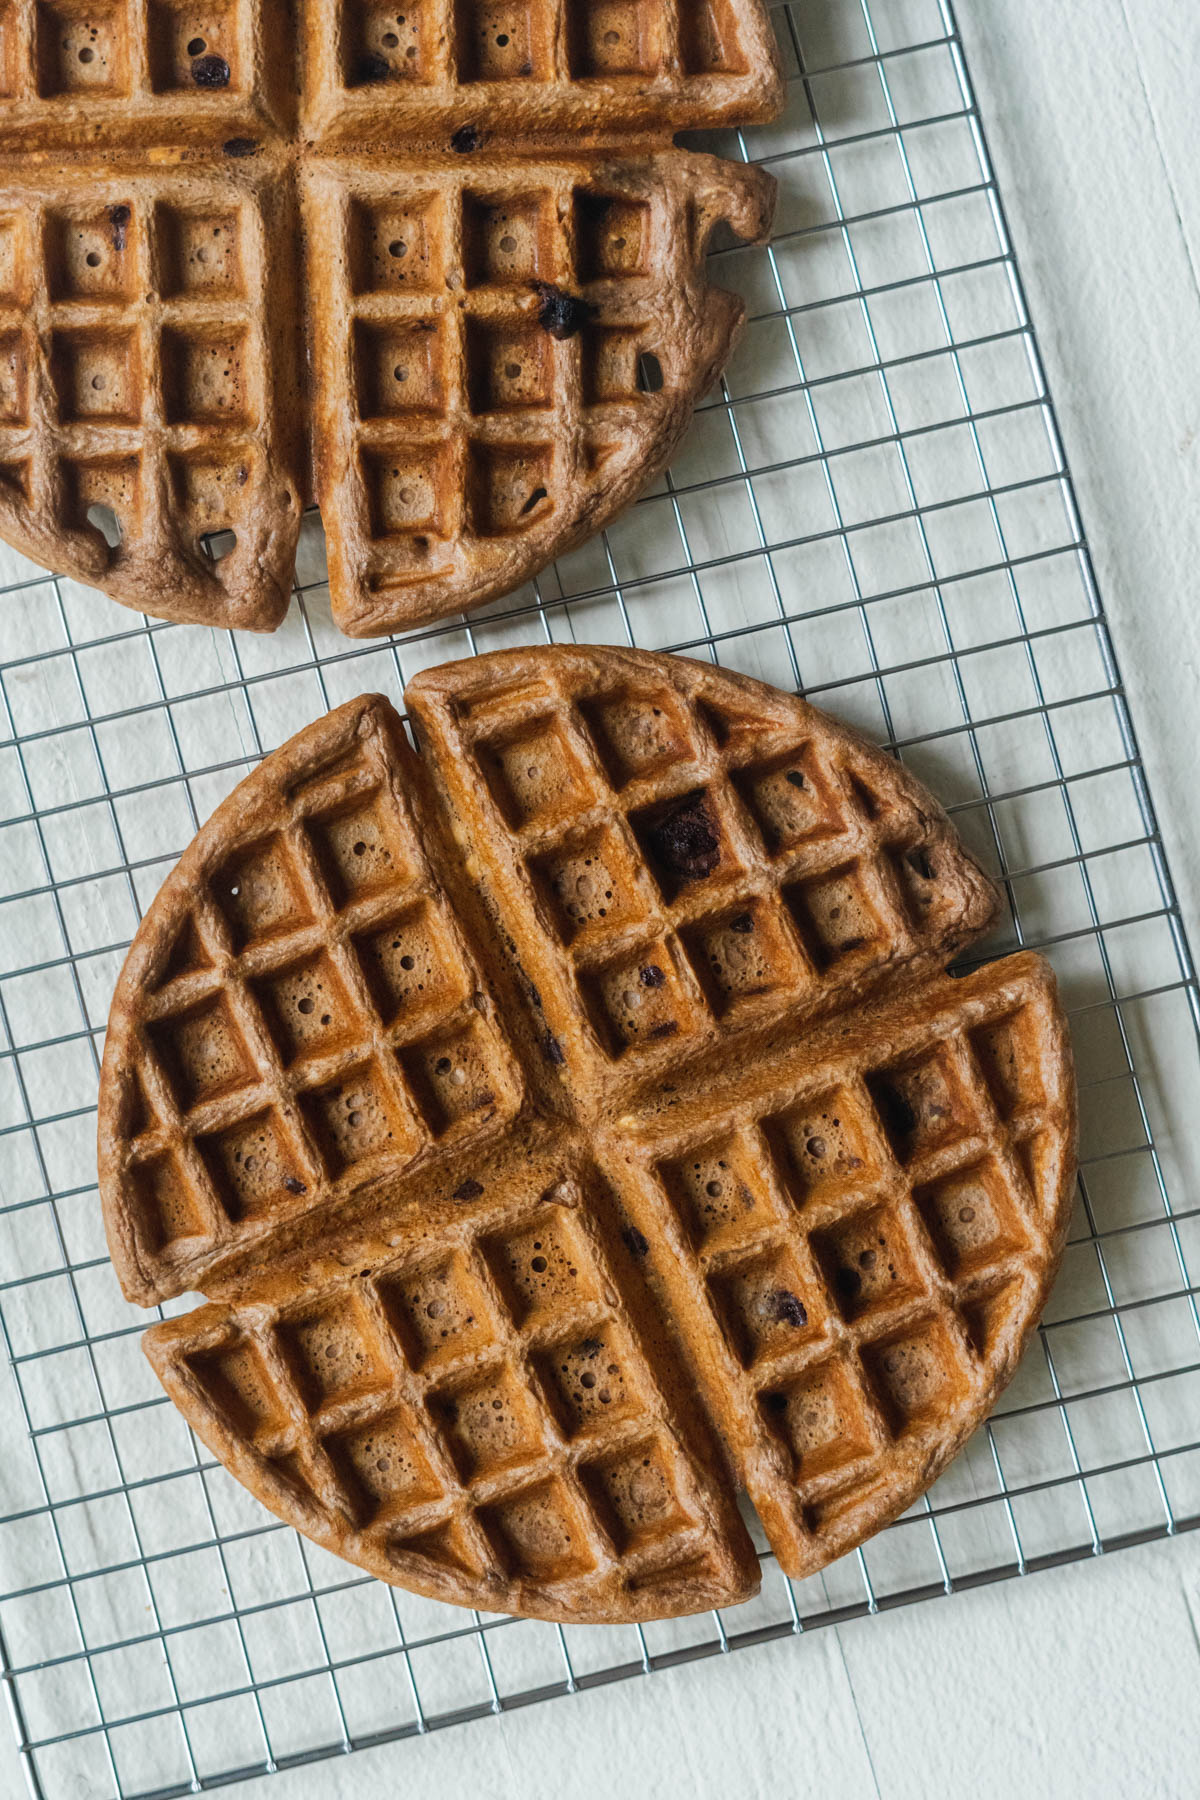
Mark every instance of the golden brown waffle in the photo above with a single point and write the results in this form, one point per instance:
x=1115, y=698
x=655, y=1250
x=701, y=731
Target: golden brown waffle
x=572, y=1125
x=439, y=269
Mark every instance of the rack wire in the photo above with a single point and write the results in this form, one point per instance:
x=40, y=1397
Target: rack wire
x=876, y=508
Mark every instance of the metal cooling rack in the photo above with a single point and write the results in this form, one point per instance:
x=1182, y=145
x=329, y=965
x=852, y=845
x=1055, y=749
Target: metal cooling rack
x=876, y=508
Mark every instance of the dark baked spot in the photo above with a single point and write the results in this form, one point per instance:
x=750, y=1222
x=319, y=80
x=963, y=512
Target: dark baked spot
x=210, y=72
x=685, y=842
x=898, y=1117
x=848, y=1283
x=470, y=1189
x=594, y=207
x=294, y=1185
x=370, y=67
x=240, y=147
x=466, y=139
x=788, y=1309
x=634, y=1242
x=561, y=314
x=667, y=1029
x=651, y=976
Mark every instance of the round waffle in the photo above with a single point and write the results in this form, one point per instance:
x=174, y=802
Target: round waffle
x=573, y=1124
x=438, y=269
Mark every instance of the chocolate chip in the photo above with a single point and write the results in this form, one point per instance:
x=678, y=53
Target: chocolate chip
x=634, y=1242
x=486, y=1098
x=685, y=841
x=743, y=924
x=796, y=778
x=590, y=1347
x=119, y=217
x=210, y=72
x=788, y=1309
x=526, y=68
x=470, y=1189
x=240, y=147
x=466, y=139
x=294, y=1185
x=554, y=1050
x=562, y=315
x=667, y=1029
x=651, y=976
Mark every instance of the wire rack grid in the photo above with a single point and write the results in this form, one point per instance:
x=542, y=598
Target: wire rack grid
x=875, y=507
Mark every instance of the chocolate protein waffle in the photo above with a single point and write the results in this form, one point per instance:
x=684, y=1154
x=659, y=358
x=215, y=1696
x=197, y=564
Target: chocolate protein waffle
x=435, y=265
x=572, y=1124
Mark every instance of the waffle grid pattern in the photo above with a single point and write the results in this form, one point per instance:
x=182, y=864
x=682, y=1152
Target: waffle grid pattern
x=158, y=375
x=165, y=65
x=809, y=873
x=854, y=1252
x=475, y=422
x=468, y=473
x=553, y=63
x=323, y=1024
x=477, y=1413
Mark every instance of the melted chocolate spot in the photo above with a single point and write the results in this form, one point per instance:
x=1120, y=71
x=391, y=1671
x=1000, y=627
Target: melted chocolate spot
x=118, y=217
x=667, y=1029
x=796, y=778
x=470, y=1189
x=562, y=315
x=634, y=1242
x=554, y=1050
x=590, y=1347
x=685, y=842
x=466, y=139
x=788, y=1309
x=240, y=147
x=210, y=72
x=651, y=976
x=743, y=924
x=294, y=1185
